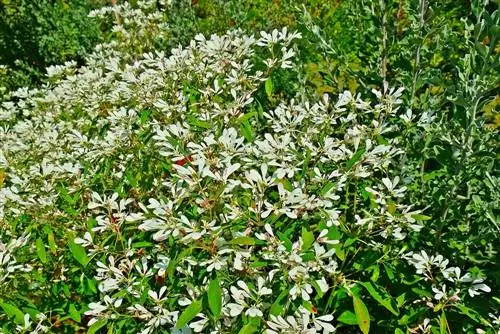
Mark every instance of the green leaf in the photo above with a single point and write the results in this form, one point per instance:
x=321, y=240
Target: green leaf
x=348, y=318
x=471, y=313
x=131, y=178
x=74, y=314
x=443, y=324
x=398, y=331
x=173, y=264
x=269, y=86
x=375, y=272
x=279, y=304
x=413, y=315
x=78, y=253
x=309, y=306
x=305, y=163
x=189, y=313
x=31, y=311
x=286, y=241
x=380, y=296
x=248, y=329
x=482, y=49
x=349, y=242
x=421, y=292
x=355, y=158
x=40, y=250
x=52, y=243
x=326, y=188
x=97, y=325
x=145, y=115
x=91, y=285
x=361, y=314
x=247, y=116
x=307, y=239
x=13, y=312
x=401, y=299
x=141, y=244
x=193, y=121
x=247, y=131
x=420, y=217
x=389, y=272
x=258, y=264
x=215, y=297
x=339, y=252
x=246, y=241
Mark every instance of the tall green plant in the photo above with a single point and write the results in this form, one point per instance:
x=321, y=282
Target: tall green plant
x=37, y=33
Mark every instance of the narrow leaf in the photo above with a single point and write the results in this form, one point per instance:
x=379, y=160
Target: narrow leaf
x=443, y=324
x=307, y=239
x=52, y=242
x=13, y=312
x=248, y=329
x=420, y=217
x=247, y=131
x=348, y=318
x=97, y=325
x=380, y=296
x=474, y=315
x=326, y=188
x=189, y=313
x=355, y=158
x=74, y=314
x=269, y=86
x=79, y=253
x=279, y=304
x=361, y=314
x=215, y=297
x=40, y=250
x=2, y=177
x=247, y=241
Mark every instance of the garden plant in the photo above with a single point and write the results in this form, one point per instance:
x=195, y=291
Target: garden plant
x=214, y=167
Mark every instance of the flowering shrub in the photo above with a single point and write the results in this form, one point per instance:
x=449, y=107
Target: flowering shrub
x=147, y=192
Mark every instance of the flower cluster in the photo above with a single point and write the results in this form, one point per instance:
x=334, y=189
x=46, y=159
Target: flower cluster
x=188, y=188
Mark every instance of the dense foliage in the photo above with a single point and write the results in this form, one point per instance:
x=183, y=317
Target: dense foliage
x=325, y=168
x=37, y=33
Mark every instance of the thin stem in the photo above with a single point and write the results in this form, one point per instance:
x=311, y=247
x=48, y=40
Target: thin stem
x=416, y=64
x=117, y=16
x=383, y=60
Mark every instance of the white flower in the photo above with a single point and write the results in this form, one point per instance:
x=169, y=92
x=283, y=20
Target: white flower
x=158, y=297
x=248, y=299
x=391, y=186
x=278, y=324
x=98, y=310
x=440, y=293
x=303, y=290
x=323, y=323
x=477, y=286
x=496, y=318
x=323, y=285
x=86, y=241
x=26, y=325
x=425, y=327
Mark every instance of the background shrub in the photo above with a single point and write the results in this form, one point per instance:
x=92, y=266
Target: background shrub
x=35, y=34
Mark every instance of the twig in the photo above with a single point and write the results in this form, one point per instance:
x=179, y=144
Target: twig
x=383, y=60
x=117, y=17
x=416, y=64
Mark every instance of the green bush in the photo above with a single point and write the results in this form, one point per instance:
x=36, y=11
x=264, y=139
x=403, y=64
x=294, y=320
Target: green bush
x=35, y=34
x=342, y=178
